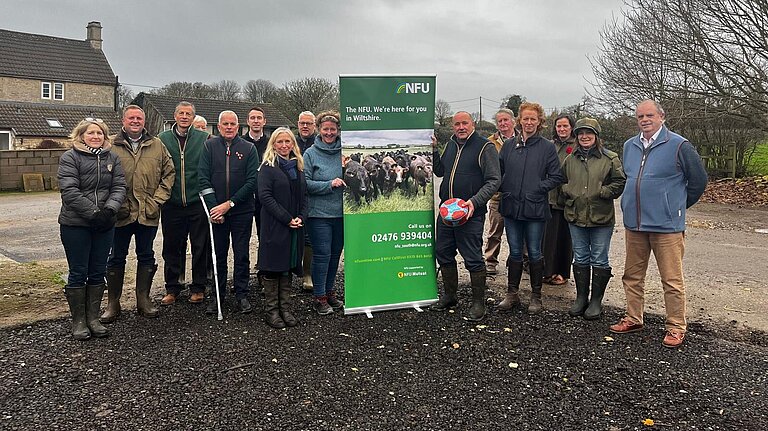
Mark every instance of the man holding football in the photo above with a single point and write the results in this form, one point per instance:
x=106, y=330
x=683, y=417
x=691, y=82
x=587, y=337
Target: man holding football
x=470, y=170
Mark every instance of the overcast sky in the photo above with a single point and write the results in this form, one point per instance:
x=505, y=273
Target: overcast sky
x=536, y=48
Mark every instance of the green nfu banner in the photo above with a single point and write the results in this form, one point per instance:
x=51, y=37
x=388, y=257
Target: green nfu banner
x=386, y=128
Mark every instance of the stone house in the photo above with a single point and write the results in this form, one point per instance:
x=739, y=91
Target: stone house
x=48, y=84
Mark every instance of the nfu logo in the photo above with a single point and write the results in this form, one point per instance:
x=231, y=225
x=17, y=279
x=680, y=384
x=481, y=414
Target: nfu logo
x=413, y=87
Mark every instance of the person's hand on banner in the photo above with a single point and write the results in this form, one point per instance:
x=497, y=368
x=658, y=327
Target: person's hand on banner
x=434, y=142
x=470, y=208
x=338, y=182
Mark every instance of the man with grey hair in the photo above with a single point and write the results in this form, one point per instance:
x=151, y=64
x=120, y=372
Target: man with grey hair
x=665, y=176
x=305, y=138
x=505, y=129
x=227, y=175
x=183, y=215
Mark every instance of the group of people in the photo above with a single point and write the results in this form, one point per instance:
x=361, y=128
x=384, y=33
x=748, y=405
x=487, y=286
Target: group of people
x=554, y=199
x=556, y=202
x=118, y=188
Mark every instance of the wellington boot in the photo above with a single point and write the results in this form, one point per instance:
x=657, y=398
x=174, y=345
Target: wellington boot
x=307, y=268
x=581, y=277
x=537, y=270
x=76, y=298
x=144, y=276
x=450, y=286
x=512, y=299
x=272, y=303
x=284, y=297
x=477, y=310
x=600, y=279
x=93, y=295
x=115, y=278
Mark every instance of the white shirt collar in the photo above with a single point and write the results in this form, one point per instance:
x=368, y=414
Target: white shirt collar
x=647, y=142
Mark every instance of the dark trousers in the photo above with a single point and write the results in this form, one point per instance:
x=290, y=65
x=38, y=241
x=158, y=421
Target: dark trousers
x=87, y=253
x=557, y=247
x=257, y=218
x=237, y=227
x=178, y=223
x=145, y=236
x=467, y=239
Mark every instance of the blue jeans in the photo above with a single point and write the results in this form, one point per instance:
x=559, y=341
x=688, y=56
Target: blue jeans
x=87, y=253
x=591, y=245
x=521, y=232
x=327, y=236
x=145, y=236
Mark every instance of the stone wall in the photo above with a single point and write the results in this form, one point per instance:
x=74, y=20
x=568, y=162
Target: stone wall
x=28, y=90
x=15, y=163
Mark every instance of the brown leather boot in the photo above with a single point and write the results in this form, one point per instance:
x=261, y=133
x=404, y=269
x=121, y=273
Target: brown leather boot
x=115, y=278
x=284, y=297
x=537, y=269
x=271, y=303
x=512, y=299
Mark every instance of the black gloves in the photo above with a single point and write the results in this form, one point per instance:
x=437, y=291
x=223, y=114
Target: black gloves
x=103, y=220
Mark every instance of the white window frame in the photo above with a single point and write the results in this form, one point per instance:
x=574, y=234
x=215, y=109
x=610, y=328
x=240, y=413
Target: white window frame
x=10, y=137
x=57, y=86
x=43, y=87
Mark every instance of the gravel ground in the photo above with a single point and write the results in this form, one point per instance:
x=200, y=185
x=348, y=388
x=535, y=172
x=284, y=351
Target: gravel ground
x=399, y=370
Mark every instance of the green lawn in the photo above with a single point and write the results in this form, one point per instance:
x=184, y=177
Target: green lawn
x=758, y=165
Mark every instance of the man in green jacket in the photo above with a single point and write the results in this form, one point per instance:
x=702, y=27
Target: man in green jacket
x=183, y=215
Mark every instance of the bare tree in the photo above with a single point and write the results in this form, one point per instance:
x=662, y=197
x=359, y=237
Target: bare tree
x=706, y=61
x=442, y=110
x=124, y=97
x=259, y=91
x=185, y=89
x=307, y=94
x=226, y=89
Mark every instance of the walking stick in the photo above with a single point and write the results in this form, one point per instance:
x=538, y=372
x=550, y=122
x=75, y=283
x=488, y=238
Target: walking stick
x=213, y=254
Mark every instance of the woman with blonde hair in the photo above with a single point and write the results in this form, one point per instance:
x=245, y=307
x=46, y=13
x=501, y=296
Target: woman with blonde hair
x=283, y=196
x=92, y=184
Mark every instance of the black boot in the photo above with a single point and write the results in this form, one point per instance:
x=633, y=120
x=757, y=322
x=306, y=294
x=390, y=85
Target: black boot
x=537, y=271
x=450, y=286
x=477, y=311
x=581, y=277
x=76, y=298
x=213, y=303
x=600, y=279
x=284, y=297
x=115, y=278
x=512, y=299
x=93, y=295
x=144, y=276
x=271, y=303
x=334, y=301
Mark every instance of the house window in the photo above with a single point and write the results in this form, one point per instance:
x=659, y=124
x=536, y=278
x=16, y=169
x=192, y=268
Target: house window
x=45, y=91
x=58, y=91
x=54, y=123
x=6, y=140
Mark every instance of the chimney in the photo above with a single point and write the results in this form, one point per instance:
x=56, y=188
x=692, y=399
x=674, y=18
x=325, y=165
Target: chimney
x=94, y=34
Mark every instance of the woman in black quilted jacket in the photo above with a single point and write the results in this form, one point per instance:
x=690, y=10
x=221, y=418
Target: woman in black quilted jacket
x=92, y=184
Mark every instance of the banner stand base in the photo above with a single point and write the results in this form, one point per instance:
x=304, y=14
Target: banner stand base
x=417, y=305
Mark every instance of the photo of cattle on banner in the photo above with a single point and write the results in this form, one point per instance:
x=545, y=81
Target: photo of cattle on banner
x=382, y=176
